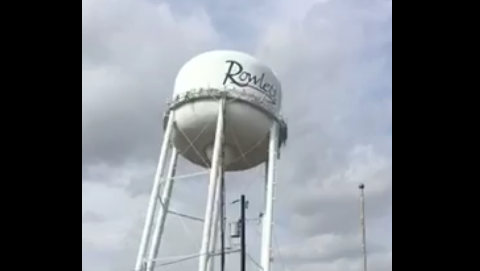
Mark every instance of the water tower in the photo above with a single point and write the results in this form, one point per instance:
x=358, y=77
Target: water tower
x=224, y=116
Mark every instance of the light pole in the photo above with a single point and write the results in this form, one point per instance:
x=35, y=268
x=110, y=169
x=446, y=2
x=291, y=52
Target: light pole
x=363, y=226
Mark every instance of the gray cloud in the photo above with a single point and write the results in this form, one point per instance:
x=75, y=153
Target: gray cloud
x=334, y=59
x=130, y=55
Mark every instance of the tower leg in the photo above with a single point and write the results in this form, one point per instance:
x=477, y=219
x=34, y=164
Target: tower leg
x=269, y=201
x=213, y=184
x=152, y=205
x=162, y=217
x=215, y=225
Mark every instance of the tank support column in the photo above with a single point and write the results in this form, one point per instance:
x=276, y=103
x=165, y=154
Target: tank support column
x=267, y=221
x=152, y=205
x=215, y=224
x=164, y=206
x=212, y=189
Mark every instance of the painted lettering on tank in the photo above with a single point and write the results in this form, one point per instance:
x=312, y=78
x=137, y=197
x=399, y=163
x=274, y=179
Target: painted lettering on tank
x=240, y=77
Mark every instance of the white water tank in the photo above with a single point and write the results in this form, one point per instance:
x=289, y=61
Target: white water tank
x=248, y=116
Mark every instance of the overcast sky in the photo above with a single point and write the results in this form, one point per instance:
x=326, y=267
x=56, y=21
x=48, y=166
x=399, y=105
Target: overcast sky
x=334, y=58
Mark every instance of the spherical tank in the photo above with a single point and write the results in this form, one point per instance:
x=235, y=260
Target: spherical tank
x=249, y=115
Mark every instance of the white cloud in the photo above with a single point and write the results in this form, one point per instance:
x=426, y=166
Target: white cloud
x=334, y=60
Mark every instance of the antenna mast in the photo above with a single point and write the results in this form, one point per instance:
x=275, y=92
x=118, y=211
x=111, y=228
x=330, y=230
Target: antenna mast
x=363, y=226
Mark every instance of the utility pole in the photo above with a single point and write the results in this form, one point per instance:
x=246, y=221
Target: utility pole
x=241, y=231
x=363, y=226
